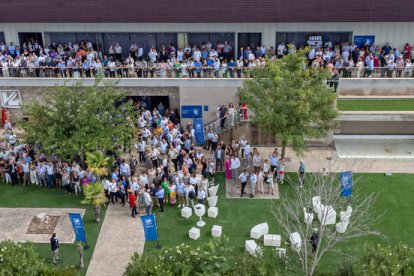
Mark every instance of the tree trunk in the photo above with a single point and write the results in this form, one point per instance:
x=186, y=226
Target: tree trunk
x=97, y=213
x=283, y=152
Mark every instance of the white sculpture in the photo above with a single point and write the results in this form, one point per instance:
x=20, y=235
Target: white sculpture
x=194, y=233
x=342, y=226
x=307, y=216
x=259, y=230
x=186, y=212
x=212, y=201
x=346, y=215
x=316, y=204
x=200, y=210
x=253, y=248
x=212, y=191
x=216, y=231
x=212, y=212
x=272, y=240
x=327, y=216
x=296, y=241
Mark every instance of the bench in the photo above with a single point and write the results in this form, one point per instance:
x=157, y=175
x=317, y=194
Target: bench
x=186, y=212
x=259, y=230
x=296, y=241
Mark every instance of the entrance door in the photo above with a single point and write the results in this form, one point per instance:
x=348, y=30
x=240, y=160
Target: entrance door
x=151, y=102
x=30, y=37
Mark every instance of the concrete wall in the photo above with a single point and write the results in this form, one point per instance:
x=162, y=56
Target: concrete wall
x=376, y=87
x=397, y=33
x=205, y=92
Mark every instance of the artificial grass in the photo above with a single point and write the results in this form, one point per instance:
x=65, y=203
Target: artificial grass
x=36, y=197
x=238, y=216
x=376, y=105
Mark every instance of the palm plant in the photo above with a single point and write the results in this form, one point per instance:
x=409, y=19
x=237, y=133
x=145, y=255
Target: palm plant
x=98, y=163
x=94, y=195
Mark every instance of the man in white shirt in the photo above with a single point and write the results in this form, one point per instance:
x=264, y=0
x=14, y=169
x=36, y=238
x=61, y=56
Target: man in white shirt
x=148, y=202
x=201, y=196
x=253, y=181
x=243, y=180
x=125, y=170
x=189, y=194
x=235, y=165
x=154, y=157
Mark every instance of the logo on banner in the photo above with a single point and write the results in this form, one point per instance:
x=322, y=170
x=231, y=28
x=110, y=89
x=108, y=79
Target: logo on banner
x=199, y=131
x=346, y=183
x=77, y=226
x=150, y=227
x=10, y=98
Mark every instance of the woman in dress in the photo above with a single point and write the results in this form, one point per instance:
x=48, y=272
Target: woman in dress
x=228, y=168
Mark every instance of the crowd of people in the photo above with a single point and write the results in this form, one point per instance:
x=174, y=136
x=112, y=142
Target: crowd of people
x=78, y=60
x=164, y=167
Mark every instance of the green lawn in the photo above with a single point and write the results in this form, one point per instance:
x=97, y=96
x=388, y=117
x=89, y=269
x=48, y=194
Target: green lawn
x=237, y=216
x=376, y=105
x=35, y=197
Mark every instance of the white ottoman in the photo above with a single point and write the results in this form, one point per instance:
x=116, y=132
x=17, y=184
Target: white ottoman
x=212, y=212
x=259, y=230
x=253, y=248
x=272, y=240
x=281, y=252
x=212, y=201
x=194, y=233
x=216, y=231
x=186, y=212
x=212, y=191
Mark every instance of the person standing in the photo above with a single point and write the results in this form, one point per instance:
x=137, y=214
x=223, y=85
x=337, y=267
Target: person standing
x=253, y=181
x=243, y=180
x=301, y=173
x=160, y=196
x=133, y=203
x=227, y=165
x=219, y=156
x=314, y=239
x=148, y=202
x=54, y=244
x=235, y=165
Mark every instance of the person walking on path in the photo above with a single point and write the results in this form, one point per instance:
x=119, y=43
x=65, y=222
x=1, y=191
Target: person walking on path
x=133, y=203
x=243, y=180
x=54, y=243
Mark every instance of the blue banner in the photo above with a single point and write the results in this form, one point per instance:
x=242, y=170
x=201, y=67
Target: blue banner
x=362, y=40
x=199, y=131
x=77, y=225
x=150, y=227
x=191, y=111
x=346, y=183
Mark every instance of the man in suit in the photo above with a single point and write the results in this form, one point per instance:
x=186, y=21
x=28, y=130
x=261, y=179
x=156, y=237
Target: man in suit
x=54, y=243
x=219, y=156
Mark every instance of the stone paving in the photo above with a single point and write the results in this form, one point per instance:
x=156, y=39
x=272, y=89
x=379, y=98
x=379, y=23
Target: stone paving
x=14, y=223
x=233, y=190
x=120, y=236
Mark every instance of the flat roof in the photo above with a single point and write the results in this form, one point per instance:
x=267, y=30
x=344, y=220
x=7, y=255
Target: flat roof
x=211, y=11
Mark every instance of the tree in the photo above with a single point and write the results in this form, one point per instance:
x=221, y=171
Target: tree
x=94, y=195
x=73, y=120
x=289, y=214
x=289, y=100
x=98, y=163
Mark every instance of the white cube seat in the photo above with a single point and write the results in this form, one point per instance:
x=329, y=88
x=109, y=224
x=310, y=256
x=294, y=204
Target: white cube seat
x=327, y=216
x=212, y=212
x=216, y=231
x=259, y=230
x=316, y=204
x=346, y=215
x=212, y=201
x=281, y=252
x=308, y=217
x=186, y=212
x=272, y=240
x=194, y=233
x=212, y=191
x=252, y=248
x=296, y=241
x=342, y=226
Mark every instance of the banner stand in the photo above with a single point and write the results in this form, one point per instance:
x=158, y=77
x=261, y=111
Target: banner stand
x=158, y=246
x=149, y=222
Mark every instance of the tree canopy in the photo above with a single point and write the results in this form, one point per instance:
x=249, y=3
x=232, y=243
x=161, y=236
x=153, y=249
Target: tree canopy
x=290, y=100
x=73, y=120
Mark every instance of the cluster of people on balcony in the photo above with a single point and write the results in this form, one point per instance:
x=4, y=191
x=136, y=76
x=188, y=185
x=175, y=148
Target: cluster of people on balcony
x=194, y=61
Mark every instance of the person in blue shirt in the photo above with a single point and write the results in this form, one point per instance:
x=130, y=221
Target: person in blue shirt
x=62, y=68
x=160, y=196
x=86, y=68
x=232, y=66
x=198, y=65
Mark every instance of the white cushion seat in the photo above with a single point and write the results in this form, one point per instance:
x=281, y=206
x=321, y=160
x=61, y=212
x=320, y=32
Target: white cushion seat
x=216, y=231
x=194, y=233
x=212, y=212
x=272, y=240
x=253, y=248
x=259, y=230
x=186, y=212
x=296, y=241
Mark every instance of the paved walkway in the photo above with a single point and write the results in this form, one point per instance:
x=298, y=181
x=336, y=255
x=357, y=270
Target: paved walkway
x=119, y=238
x=318, y=158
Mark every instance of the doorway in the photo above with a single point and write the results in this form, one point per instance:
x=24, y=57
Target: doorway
x=30, y=37
x=151, y=102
